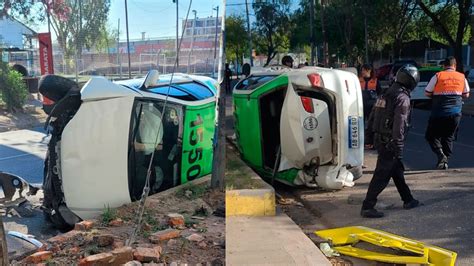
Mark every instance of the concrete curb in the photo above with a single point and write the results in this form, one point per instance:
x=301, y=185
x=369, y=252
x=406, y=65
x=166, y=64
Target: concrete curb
x=250, y=202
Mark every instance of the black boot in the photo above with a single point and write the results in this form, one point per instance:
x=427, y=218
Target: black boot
x=442, y=160
x=371, y=213
x=411, y=204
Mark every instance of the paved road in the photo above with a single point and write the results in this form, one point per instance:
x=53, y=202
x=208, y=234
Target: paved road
x=446, y=218
x=22, y=153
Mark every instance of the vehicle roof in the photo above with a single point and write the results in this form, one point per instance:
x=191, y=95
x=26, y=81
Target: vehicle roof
x=184, y=87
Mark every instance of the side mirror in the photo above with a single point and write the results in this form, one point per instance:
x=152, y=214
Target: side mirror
x=151, y=79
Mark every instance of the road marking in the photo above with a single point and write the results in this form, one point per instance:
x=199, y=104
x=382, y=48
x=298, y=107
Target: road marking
x=455, y=143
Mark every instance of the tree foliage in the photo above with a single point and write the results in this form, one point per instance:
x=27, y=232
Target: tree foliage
x=12, y=88
x=236, y=38
x=272, y=27
x=450, y=19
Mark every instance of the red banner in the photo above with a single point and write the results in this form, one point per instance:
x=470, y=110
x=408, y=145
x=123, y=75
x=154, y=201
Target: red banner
x=46, y=53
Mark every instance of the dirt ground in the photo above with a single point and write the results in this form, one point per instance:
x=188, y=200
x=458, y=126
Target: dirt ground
x=30, y=117
x=203, y=212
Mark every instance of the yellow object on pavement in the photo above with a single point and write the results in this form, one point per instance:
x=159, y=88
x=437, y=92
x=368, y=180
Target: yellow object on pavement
x=344, y=239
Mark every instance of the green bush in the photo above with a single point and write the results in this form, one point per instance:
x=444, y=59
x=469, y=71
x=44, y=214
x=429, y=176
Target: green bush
x=14, y=92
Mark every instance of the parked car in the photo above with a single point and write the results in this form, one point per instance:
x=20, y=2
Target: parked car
x=470, y=78
x=301, y=126
x=398, y=64
x=426, y=73
x=382, y=73
x=103, y=137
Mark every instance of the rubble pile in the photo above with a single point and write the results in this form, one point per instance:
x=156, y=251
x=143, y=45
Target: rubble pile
x=183, y=227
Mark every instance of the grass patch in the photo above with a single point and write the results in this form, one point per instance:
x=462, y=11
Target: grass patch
x=238, y=175
x=192, y=191
x=108, y=215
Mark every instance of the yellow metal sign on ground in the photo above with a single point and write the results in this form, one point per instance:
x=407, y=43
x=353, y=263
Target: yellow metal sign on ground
x=344, y=239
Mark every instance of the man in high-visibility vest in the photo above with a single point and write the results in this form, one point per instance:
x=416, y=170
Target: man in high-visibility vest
x=370, y=88
x=447, y=89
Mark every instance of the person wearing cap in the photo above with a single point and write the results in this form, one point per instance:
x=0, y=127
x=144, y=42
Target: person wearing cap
x=446, y=89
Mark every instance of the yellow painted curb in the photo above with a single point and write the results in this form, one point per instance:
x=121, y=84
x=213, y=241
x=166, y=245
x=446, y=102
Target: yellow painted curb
x=250, y=202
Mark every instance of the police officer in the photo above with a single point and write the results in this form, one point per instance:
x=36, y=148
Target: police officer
x=446, y=88
x=389, y=127
x=370, y=88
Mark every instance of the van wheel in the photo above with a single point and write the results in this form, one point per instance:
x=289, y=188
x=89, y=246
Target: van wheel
x=356, y=172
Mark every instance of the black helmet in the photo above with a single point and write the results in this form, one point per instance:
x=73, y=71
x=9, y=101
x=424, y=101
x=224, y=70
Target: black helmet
x=408, y=76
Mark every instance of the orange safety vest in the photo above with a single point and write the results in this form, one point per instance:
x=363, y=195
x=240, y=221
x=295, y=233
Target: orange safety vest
x=371, y=84
x=449, y=83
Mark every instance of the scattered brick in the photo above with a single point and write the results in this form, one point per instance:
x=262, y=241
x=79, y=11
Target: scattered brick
x=195, y=238
x=146, y=254
x=104, y=240
x=59, y=239
x=118, y=244
x=84, y=225
x=74, y=250
x=202, y=245
x=38, y=257
x=175, y=219
x=117, y=222
x=122, y=255
x=164, y=235
x=97, y=259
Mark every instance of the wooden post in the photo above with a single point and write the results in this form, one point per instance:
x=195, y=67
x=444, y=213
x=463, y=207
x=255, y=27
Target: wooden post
x=3, y=245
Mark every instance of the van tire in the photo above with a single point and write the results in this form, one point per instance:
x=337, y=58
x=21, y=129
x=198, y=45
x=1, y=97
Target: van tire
x=357, y=172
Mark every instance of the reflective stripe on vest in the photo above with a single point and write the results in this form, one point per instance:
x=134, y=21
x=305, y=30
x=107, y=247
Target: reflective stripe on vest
x=449, y=83
x=371, y=84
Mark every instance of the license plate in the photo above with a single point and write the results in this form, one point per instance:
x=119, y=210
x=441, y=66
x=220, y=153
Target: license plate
x=354, y=141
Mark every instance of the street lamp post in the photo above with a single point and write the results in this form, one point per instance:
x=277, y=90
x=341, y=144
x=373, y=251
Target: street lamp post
x=215, y=41
x=192, y=41
x=249, y=33
x=128, y=42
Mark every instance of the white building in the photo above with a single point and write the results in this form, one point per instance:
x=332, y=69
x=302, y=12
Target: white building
x=13, y=33
x=202, y=27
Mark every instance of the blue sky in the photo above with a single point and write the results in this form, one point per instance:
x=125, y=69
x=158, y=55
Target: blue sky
x=155, y=17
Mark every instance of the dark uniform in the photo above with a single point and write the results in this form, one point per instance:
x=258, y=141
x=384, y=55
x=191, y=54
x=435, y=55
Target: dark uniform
x=447, y=89
x=389, y=124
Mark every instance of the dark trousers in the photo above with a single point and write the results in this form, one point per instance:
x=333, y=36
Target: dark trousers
x=387, y=167
x=441, y=132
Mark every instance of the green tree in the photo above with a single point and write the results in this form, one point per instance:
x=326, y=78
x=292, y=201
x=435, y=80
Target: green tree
x=78, y=23
x=12, y=88
x=445, y=14
x=236, y=38
x=272, y=27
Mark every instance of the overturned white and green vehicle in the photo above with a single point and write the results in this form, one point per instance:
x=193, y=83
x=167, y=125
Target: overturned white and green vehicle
x=301, y=127
x=103, y=136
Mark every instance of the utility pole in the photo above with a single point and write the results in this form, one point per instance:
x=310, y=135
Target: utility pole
x=177, y=34
x=311, y=29
x=366, y=34
x=192, y=41
x=128, y=42
x=215, y=41
x=218, y=160
x=249, y=33
x=323, y=28
x=119, y=57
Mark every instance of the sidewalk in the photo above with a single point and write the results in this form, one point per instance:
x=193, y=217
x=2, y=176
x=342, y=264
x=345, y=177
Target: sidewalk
x=269, y=240
x=256, y=233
